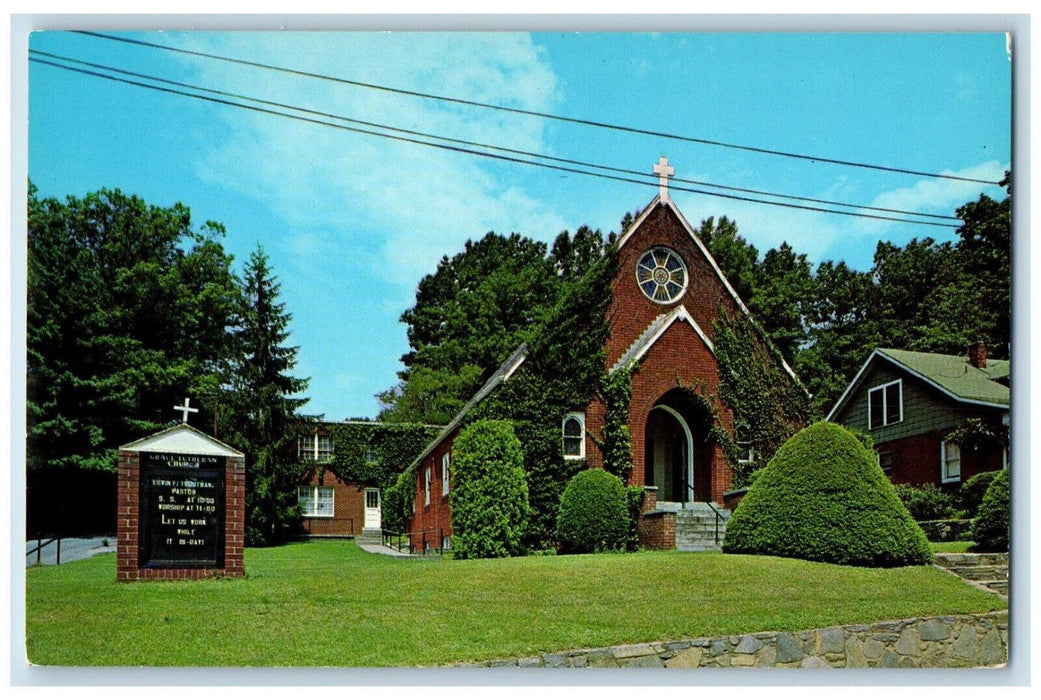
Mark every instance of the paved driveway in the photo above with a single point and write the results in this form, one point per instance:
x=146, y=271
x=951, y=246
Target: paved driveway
x=71, y=550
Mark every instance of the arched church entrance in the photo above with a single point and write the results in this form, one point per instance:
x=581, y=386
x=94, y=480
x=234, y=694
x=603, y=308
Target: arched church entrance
x=677, y=456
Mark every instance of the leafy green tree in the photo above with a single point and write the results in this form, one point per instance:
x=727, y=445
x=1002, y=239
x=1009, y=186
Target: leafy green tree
x=264, y=400
x=738, y=259
x=784, y=288
x=474, y=310
x=129, y=310
x=984, y=248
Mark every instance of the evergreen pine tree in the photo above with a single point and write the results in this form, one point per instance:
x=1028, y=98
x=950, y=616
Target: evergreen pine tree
x=264, y=402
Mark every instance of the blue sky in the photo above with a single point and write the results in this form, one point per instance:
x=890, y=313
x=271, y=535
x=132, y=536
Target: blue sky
x=352, y=222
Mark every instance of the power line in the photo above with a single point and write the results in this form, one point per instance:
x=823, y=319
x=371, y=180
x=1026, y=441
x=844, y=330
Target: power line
x=533, y=113
x=503, y=149
x=470, y=151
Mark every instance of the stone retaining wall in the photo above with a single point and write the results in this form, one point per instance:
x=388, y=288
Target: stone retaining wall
x=951, y=641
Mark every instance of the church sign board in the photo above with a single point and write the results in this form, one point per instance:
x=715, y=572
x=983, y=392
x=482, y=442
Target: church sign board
x=181, y=507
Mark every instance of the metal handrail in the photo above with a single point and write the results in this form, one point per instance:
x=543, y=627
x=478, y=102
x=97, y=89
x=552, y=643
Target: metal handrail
x=390, y=535
x=40, y=544
x=719, y=516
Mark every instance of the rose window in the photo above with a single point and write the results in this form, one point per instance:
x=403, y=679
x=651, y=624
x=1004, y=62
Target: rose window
x=661, y=274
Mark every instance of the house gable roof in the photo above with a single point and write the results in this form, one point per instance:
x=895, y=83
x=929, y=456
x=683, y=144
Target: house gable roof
x=952, y=375
x=655, y=331
x=182, y=439
x=667, y=203
x=504, y=372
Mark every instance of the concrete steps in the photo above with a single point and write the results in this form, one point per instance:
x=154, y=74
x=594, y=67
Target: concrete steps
x=696, y=528
x=988, y=570
x=369, y=537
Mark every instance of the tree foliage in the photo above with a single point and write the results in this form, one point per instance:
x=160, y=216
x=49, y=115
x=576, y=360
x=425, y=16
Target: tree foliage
x=474, y=311
x=130, y=308
x=264, y=400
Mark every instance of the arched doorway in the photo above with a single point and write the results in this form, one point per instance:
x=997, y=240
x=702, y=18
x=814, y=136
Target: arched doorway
x=677, y=454
x=669, y=449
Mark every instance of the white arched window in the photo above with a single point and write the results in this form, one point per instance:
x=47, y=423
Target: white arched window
x=574, y=430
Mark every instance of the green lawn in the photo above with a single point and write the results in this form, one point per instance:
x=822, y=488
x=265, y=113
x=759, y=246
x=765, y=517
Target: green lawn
x=330, y=604
x=957, y=547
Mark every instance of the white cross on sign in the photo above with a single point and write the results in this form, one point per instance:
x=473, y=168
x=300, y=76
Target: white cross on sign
x=185, y=410
x=664, y=171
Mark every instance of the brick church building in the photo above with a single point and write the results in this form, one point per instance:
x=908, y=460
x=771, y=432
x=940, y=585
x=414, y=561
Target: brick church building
x=666, y=295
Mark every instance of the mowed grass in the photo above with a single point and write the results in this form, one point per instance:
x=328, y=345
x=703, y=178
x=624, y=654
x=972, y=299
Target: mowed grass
x=331, y=604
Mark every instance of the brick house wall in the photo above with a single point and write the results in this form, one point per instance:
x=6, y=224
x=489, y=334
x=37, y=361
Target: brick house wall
x=348, y=515
x=432, y=522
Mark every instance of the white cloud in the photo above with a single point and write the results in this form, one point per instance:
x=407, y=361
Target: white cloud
x=320, y=179
x=937, y=196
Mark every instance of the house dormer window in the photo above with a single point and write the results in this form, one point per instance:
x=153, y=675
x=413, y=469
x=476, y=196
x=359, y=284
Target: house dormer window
x=661, y=275
x=886, y=404
x=574, y=429
x=314, y=448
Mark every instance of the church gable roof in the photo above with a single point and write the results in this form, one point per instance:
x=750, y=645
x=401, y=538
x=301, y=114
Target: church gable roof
x=667, y=204
x=182, y=439
x=504, y=372
x=655, y=331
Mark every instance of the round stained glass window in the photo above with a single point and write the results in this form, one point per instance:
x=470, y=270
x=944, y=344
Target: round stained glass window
x=661, y=274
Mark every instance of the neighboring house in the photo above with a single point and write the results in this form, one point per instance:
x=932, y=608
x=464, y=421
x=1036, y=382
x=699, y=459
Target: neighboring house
x=666, y=296
x=347, y=465
x=915, y=404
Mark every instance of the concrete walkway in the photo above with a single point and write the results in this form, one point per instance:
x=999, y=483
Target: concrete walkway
x=380, y=549
x=72, y=549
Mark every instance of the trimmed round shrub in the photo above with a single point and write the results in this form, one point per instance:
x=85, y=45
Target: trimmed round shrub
x=490, y=493
x=972, y=491
x=926, y=501
x=594, y=513
x=990, y=531
x=823, y=497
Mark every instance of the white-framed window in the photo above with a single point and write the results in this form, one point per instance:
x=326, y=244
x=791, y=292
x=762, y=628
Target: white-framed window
x=446, y=461
x=885, y=460
x=316, y=501
x=950, y=461
x=745, y=453
x=886, y=404
x=426, y=486
x=371, y=455
x=574, y=432
x=314, y=448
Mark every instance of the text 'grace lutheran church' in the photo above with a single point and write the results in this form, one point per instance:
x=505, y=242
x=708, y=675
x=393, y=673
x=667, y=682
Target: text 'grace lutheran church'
x=667, y=294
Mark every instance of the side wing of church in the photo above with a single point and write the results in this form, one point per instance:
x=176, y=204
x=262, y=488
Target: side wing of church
x=666, y=297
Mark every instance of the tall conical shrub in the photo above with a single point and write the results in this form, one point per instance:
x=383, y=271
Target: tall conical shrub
x=823, y=497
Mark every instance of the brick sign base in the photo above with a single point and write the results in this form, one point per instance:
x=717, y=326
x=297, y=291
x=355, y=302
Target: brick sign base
x=182, y=515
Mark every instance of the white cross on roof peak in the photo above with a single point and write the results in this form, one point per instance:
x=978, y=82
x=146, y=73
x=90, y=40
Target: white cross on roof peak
x=664, y=171
x=185, y=410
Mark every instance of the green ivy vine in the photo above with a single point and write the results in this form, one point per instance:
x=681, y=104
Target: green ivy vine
x=766, y=400
x=372, y=454
x=616, y=440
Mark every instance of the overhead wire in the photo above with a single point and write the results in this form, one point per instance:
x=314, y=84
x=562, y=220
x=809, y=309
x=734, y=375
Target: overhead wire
x=412, y=132
x=467, y=150
x=534, y=113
